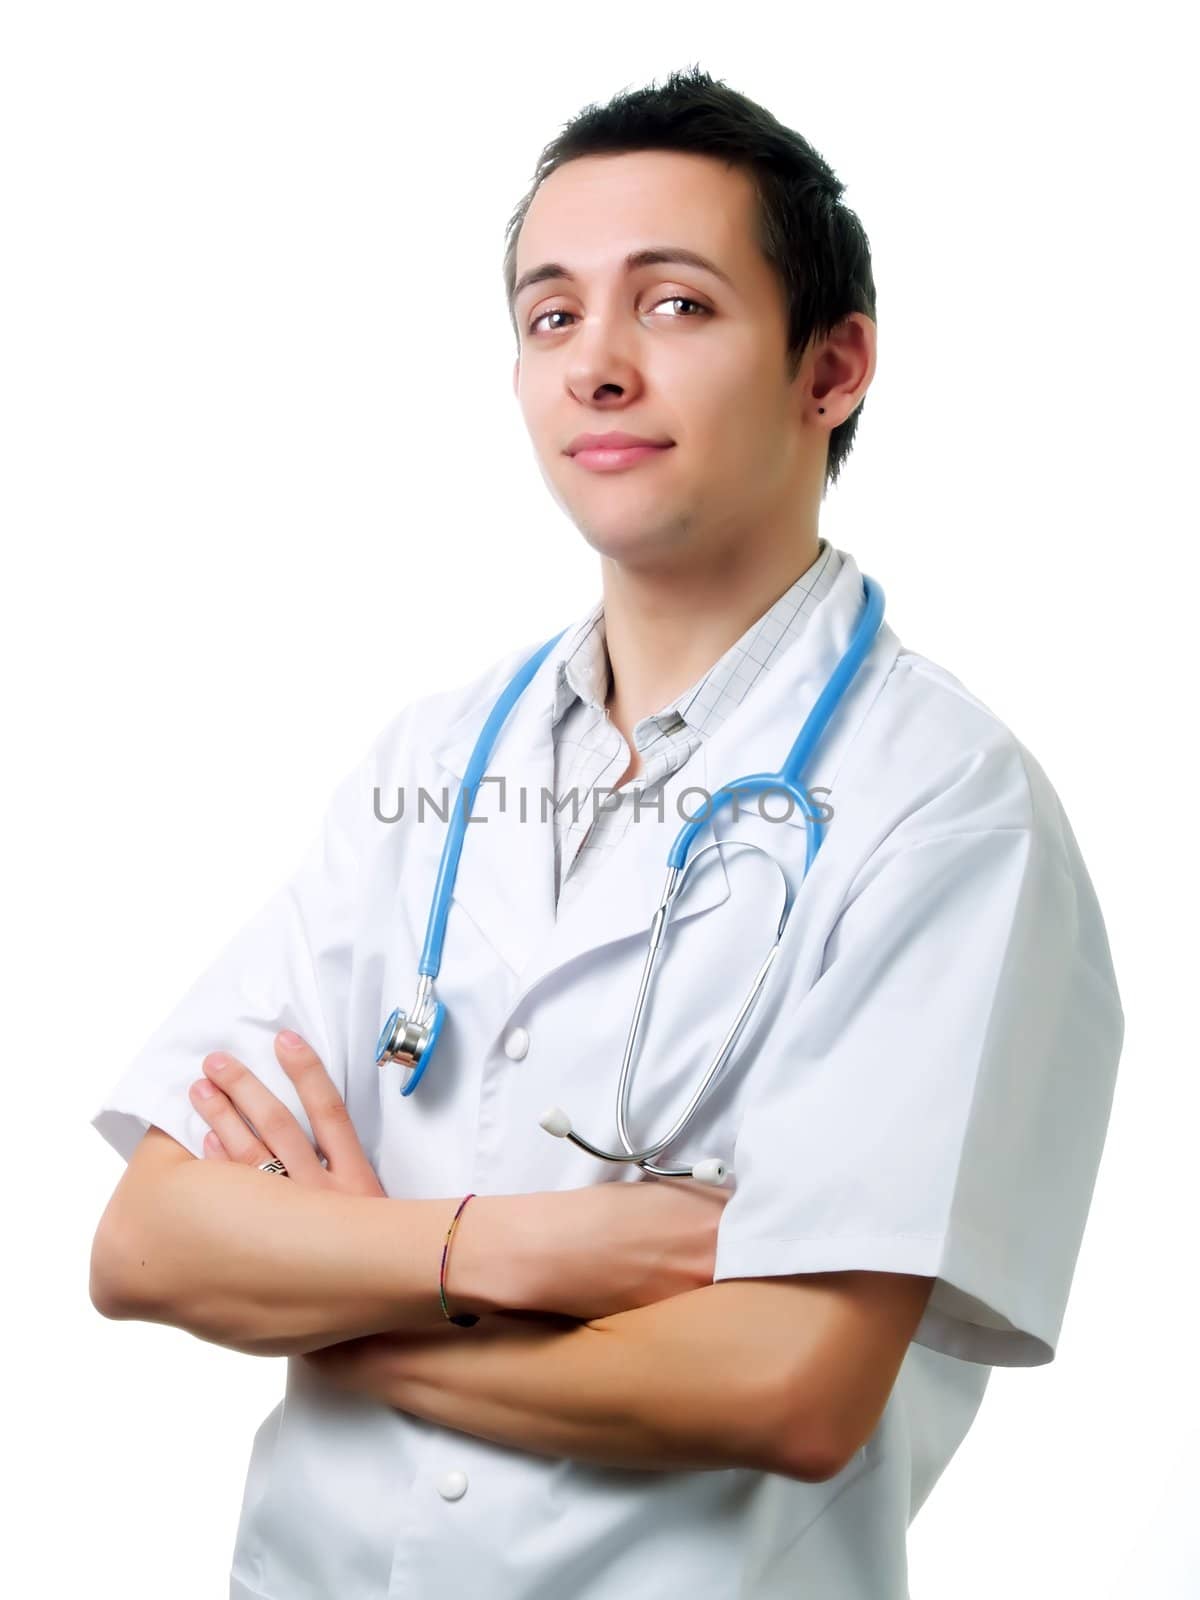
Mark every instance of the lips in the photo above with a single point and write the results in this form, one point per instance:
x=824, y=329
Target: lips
x=615, y=441
x=617, y=460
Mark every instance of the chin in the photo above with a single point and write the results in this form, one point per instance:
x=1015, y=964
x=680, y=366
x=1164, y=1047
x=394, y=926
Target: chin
x=633, y=544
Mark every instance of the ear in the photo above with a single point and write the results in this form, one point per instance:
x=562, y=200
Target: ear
x=516, y=373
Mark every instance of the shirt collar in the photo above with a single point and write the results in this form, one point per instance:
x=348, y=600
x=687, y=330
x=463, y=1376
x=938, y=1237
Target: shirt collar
x=584, y=669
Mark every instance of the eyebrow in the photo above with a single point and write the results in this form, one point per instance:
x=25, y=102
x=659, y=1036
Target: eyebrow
x=653, y=256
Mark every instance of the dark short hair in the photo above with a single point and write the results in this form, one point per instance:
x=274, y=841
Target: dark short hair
x=816, y=245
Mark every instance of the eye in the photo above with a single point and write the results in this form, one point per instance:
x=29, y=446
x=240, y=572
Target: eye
x=667, y=299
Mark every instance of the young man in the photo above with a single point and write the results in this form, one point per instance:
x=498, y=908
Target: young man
x=738, y=1391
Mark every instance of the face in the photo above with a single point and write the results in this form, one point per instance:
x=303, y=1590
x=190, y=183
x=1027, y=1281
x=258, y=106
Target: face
x=669, y=351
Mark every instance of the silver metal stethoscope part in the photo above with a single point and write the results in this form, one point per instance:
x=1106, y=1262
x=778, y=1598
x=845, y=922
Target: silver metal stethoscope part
x=408, y=1037
x=711, y=1169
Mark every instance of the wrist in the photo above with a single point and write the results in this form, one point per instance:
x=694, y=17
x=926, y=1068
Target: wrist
x=498, y=1258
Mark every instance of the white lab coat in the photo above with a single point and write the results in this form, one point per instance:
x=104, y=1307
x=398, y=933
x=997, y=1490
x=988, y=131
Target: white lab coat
x=925, y=1087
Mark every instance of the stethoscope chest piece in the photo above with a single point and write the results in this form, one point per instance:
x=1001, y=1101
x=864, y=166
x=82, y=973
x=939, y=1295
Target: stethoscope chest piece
x=410, y=1041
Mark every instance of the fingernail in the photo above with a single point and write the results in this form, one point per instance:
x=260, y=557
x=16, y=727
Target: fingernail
x=215, y=1062
x=203, y=1089
x=290, y=1040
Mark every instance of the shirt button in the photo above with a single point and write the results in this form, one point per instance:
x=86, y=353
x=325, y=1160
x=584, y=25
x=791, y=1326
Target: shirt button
x=516, y=1046
x=452, y=1485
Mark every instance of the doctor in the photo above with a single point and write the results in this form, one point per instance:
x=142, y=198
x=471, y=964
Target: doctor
x=745, y=1390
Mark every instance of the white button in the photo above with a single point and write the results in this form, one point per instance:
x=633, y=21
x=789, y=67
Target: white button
x=517, y=1044
x=452, y=1485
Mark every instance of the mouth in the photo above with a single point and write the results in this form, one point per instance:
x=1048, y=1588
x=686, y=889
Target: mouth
x=616, y=460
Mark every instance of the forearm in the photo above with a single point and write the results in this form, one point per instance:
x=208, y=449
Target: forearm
x=267, y=1267
x=665, y=1387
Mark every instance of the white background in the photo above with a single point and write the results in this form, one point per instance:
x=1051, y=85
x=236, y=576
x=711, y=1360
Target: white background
x=265, y=480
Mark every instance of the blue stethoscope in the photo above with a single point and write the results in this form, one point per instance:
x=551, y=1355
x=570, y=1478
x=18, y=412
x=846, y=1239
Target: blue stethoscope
x=409, y=1038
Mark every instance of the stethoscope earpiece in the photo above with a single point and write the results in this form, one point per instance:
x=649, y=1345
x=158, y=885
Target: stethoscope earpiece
x=555, y=1121
x=712, y=1171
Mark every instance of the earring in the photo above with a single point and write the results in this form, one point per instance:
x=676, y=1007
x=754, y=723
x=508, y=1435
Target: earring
x=821, y=410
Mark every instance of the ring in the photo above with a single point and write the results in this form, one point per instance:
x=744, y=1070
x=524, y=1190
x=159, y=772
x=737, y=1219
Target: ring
x=274, y=1165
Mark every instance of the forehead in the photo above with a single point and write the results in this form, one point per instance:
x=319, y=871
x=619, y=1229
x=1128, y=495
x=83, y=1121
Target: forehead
x=589, y=212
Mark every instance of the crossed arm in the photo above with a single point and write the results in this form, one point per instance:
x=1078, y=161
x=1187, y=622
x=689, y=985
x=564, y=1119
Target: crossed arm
x=787, y=1375
x=782, y=1374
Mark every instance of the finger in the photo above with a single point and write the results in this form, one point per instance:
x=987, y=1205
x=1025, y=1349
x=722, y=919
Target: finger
x=239, y=1142
x=234, y=1136
x=214, y=1150
x=335, y=1134
x=273, y=1125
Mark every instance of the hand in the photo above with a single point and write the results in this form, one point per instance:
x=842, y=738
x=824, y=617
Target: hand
x=368, y=1366
x=612, y=1247
x=239, y=1095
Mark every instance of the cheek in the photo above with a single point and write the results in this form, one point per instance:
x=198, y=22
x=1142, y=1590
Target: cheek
x=732, y=435
x=725, y=396
x=545, y=417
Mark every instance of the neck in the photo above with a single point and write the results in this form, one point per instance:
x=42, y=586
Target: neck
x=665, y=630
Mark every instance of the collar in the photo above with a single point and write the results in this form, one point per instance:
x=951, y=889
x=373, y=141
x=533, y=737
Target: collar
x=584, y=670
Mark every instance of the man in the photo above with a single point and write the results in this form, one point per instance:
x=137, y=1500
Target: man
x=739, y=1392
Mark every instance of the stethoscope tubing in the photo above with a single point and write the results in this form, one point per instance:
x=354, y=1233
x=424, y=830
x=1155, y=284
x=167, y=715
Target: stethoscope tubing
x=786, y=780
x=435, y=932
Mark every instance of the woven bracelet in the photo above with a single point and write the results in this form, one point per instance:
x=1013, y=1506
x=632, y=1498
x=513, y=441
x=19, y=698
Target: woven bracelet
x=464, y=1319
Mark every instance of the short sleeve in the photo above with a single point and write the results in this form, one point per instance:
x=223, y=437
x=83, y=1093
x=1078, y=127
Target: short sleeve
x=940, y=1102
x=289, y=966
